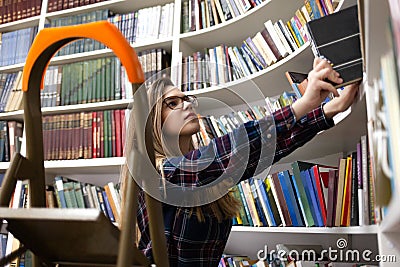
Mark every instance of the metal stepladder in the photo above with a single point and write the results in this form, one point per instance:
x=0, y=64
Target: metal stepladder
x=72, y=237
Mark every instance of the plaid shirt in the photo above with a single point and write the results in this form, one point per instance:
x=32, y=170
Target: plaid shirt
x=194, y=243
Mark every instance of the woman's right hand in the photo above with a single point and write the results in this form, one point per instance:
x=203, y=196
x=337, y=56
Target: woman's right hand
x=318, y=88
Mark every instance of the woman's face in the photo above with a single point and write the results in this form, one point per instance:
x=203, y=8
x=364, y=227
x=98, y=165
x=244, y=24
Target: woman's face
x=181, y=121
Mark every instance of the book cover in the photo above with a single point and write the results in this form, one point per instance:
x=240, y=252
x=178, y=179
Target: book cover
x=311, y=196
x=339, y=191
x=281, y=199
x=257, y=201
x=340, y=44
x=298, y=185
x=331, y=203
x=291, y=199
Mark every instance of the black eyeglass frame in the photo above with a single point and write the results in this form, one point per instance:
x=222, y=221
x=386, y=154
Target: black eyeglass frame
x=187, y=98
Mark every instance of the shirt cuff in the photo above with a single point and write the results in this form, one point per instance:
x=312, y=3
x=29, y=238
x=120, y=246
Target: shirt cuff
x=328, y=123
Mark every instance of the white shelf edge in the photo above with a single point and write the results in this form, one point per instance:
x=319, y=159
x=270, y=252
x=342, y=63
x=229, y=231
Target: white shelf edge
x=76, y=163
x=17, y=23
x=88, y=106
x=368, y=229
x=84, y=163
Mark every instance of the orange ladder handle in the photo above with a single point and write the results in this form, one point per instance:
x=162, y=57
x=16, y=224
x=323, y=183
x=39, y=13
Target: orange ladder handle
x=48, y=41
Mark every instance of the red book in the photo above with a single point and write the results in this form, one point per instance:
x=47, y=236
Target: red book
x=331, y=203
x=118, y=143
x=320, y=193
x=112, y=134
x=100, y=134
x=345, y=219
x=89, y=135
x=94, y=134
x=123, y=130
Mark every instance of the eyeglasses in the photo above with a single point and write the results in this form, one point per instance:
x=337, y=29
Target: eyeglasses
x=176, y=102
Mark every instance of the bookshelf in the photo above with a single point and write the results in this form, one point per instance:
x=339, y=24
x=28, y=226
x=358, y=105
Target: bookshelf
x=339, y=140
x=378, y=47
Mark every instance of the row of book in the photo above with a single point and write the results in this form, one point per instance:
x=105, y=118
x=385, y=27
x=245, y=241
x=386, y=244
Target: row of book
x=11, y=134
x=63, y=193
x=197, y=15
x=19, y=199
x=222, y=64
x=15, y=45
x=215, y=126
x=311, y=194
x=13, y=10
x=146, y=24
x=10, y=91
x=88, y=81
x=81, y=45
x=84, y=135
x=70, y=193
x=274, y=42
x=56, y=5
x=97, y=80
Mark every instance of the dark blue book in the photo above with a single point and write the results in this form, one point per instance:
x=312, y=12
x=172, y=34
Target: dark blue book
x=263, y=190
x=252, y=56
x=257, y=202
x=312, y=199
x=59, y=190
x=108, y=207
x=284, y=178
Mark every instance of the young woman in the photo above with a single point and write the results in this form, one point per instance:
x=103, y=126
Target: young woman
x=197, y=235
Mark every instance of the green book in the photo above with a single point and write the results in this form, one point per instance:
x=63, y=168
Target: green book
x=107, y=78
x=79, y=195
x=69, y=193
x=302, y=197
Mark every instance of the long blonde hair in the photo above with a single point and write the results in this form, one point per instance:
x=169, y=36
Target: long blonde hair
x=226, y=207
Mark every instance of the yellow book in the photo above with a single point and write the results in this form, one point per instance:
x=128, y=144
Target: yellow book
x=339, y=194
x=289, y=25
x=345, y=216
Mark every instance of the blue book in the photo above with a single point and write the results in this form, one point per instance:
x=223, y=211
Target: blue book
x=305, y=175
x=312, y=177
x=293, y=197
x=59, y=190
x=257, y=202
x=315, y=9
x=296, y=31
x=256, y=52
x=252, y=56
x=263, y=190
x=108, y=207
x=289, y=203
